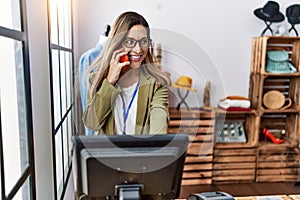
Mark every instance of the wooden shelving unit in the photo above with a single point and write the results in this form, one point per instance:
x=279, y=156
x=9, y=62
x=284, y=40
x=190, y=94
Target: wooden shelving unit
x=277, y=121
x=273, y=162
x=257, y=159
x=276, y=162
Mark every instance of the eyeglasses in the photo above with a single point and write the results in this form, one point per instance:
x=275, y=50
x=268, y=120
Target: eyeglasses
x=130, y=42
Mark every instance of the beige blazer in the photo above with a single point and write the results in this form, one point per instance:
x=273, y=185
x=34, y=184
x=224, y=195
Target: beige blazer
x=152, y=113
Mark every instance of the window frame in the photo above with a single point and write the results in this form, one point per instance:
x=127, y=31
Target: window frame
x=69, y=109
x=29, y=171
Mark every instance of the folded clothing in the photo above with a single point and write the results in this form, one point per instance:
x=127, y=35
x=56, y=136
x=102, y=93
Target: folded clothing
x=238, y=109
x=235, y=97
x=228, y=103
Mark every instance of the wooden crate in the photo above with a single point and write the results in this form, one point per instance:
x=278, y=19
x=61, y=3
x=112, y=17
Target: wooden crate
x=287, y=85
x=197, y=170
x=255, y=90
x=199, y=125
x=278, y=163
x=234, y=165
x=260, y=46
x=257, y=44
x=251, y=126
x=282, y=125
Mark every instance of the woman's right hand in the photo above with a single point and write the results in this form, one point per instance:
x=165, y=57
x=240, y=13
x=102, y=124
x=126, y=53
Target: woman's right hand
x=116, y=66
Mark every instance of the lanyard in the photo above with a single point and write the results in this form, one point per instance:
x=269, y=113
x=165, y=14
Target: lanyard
x=126, y=111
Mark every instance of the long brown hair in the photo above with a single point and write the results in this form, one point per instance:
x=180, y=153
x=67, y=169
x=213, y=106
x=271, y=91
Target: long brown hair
x=115, y=38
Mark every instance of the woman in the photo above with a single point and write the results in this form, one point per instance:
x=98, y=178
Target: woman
x=131, y=96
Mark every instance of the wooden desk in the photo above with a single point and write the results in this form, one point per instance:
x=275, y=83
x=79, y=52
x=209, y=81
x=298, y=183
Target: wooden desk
x=270, y=197
x=244, y=189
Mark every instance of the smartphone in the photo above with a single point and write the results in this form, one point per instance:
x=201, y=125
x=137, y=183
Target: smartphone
x=124, y=58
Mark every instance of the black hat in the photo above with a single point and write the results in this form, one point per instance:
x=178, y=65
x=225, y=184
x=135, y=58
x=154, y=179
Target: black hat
x=270, y=12
x=293, y=14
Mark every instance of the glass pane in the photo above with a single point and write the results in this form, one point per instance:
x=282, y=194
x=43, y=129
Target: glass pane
x=61, y=23
x=10, y=14
x=24, y=191
x=63, y=82
x=65, y=147
x=71, y=77
x=68, y=78
x=67, y=23
x=53, y=21
x=58, y=154
x=13, y=111
x=64, y=23
x=70, y=132
x=56, y=87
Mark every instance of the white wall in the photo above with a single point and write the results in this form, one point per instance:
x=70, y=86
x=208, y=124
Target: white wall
x=207, y=40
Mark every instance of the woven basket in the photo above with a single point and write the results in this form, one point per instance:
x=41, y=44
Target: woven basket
x=274, y=99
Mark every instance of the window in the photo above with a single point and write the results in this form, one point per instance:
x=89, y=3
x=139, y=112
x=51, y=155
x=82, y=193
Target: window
x=16, y=133
x=61, y=70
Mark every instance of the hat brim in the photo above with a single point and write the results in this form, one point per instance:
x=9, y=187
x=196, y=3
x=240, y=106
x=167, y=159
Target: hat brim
x=182, y=87
x=261, y=15
x=292, y=20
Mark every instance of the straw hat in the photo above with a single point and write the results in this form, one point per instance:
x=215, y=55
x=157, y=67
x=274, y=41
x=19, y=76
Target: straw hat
x=184, y=82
